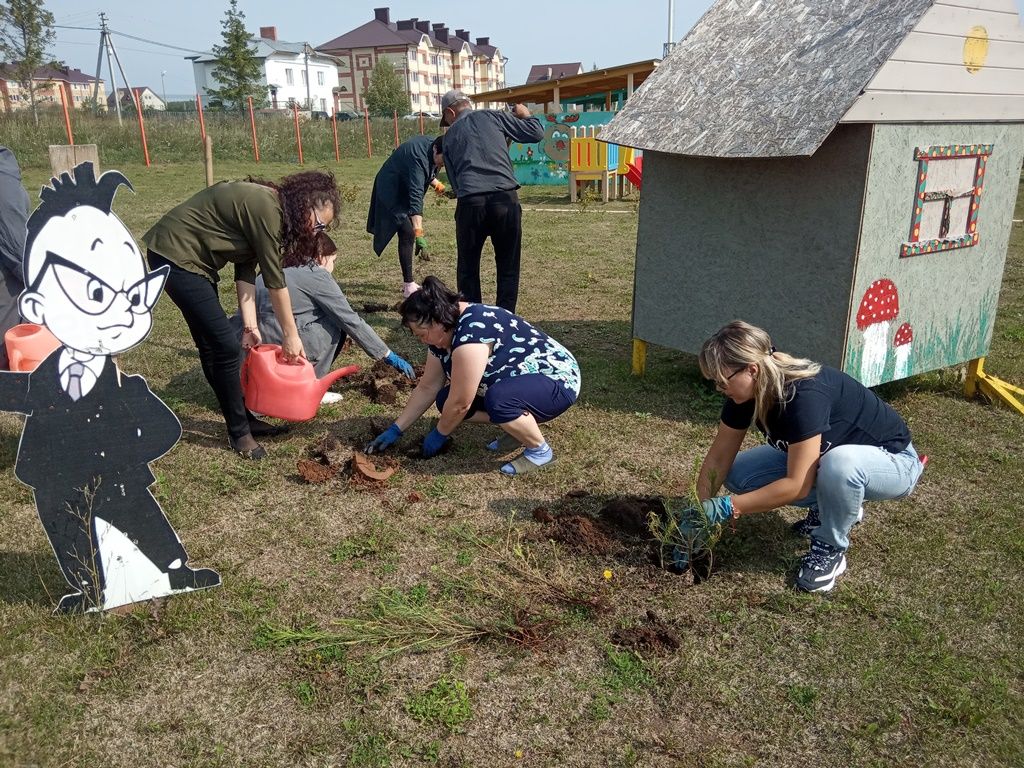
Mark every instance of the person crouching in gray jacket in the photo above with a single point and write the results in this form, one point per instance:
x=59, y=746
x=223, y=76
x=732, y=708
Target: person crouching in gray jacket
x=323, y=315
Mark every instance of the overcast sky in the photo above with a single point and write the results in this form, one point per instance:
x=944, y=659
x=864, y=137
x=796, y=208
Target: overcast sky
x=527, y=31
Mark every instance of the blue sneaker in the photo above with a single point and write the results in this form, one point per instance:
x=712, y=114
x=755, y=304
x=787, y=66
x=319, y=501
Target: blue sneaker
x=820, y=567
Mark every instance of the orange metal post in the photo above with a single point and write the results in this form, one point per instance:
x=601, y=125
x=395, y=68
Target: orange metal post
x=369, y=141
x=67, y=117
x=202, y=123
x=396, y=129
x=334, y=125
x=252, y=123
x=142, y=126
x=298, y=133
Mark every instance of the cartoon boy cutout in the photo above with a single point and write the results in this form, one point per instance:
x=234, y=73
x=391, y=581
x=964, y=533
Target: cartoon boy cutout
x=90, y=431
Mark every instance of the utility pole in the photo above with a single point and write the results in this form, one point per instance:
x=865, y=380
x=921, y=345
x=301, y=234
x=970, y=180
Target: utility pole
x=163, y=88
x=309, y=98
x=105, y=45
x=671, y=31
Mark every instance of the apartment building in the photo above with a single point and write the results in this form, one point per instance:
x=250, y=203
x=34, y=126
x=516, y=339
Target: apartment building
x=430, y=58
x=78, y=89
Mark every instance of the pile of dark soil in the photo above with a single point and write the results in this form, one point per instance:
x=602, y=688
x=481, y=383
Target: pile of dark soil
x=578, y=533
x=632, y=514
x=652, y=636
x=382, y=383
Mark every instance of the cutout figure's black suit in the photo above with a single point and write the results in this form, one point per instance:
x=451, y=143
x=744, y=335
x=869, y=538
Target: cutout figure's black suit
x=90, y=458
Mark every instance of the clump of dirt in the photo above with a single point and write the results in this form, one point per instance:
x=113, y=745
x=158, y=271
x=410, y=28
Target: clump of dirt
x=414, y=497
x=382, y=383
x=631, y=514
x=371, y=474
x=326, y=458
x=652, y=636
x=541, y=515
x=374, y=306
x=368, y=468
x=581, y=534
x=315, y=472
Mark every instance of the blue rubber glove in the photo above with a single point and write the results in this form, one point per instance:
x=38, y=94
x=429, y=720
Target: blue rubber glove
x=433, y=443
x=400, y=365
x=384, y=440
x=696, y=526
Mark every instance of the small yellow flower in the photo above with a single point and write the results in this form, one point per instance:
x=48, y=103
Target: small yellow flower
x=519, y=754
x=608, y=575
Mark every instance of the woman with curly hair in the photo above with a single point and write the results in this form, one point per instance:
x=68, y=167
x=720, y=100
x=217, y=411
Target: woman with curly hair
x=252, y=224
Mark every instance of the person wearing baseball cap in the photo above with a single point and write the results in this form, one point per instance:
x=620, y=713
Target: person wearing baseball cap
x=480, y=170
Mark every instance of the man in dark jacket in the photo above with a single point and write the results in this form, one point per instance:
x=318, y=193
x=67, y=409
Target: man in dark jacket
x=396, y=205
x=480, y=169
x=13, y=215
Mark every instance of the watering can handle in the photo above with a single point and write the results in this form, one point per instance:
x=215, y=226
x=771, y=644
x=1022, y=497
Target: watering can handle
x=14, y=359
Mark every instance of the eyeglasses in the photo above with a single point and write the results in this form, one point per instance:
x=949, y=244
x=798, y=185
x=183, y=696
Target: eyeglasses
x=319, y=226
x=738, y=370
x=94, y=296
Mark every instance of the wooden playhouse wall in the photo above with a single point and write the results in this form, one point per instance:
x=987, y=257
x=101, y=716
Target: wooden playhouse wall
x=949, y=297
x=771, y=241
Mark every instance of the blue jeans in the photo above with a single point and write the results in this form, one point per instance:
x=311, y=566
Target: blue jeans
x=847, y=476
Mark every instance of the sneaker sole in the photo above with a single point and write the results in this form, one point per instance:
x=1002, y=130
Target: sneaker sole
x=826, y=586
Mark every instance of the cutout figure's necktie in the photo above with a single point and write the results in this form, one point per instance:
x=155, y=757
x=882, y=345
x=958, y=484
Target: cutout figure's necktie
x=75, y=371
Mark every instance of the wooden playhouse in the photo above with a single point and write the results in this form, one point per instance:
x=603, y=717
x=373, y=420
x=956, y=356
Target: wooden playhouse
x=841, y=172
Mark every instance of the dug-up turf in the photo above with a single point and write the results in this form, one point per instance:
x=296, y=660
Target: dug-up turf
x=652, y=636
x=328, y=456
x=382, y=383
x=621, y=527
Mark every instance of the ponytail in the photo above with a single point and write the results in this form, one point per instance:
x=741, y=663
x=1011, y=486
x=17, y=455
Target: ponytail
x=434, y=302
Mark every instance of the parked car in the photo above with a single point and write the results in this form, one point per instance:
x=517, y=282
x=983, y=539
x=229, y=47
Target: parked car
x=316, y=115
x=347, y=114
x=427, y=116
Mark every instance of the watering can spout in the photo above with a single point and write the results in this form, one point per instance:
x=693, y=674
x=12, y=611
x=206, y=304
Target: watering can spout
x=326, y=382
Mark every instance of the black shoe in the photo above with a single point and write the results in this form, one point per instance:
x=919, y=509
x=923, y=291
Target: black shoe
x=254, y=454
x=186, y=578
x=804, y=528
x=259, y=428
x=820, y=567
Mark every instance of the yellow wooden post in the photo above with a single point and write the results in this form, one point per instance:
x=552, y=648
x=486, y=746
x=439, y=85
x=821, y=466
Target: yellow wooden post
x=639, y=357
x=975, y=370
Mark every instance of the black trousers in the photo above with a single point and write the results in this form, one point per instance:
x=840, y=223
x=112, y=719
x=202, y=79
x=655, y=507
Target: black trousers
x=499, y=216
x=406, y=245
x=218, y=344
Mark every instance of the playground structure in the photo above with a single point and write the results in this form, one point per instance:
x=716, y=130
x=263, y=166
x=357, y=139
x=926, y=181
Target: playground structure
x=853, y=194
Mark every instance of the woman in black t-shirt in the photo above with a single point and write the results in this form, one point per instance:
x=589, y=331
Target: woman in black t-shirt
x=830, y=444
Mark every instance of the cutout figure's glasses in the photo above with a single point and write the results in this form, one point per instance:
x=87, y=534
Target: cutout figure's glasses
x=319, y=226
x=92, y=295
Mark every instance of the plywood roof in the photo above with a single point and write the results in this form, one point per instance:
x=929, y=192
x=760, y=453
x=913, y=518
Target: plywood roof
x=764, y=78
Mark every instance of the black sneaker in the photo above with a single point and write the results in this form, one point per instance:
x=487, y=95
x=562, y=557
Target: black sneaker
x=804, y=528
x=820, y=567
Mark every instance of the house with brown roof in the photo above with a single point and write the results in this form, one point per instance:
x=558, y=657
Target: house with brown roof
x=543, y=72
x=78, y=88
x=146, y=94
x=430, y=58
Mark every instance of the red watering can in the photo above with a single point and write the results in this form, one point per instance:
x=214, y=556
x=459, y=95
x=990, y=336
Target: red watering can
x=289, y=391
x=28, y=345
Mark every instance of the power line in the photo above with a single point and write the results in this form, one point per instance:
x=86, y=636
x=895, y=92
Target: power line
x=154, y=42
x=87, y=29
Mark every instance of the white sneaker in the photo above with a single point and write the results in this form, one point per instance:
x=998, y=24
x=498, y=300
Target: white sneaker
x=330, y=398
x=408, y=289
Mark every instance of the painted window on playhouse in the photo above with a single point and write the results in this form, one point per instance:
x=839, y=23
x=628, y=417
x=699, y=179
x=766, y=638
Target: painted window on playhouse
x=947, y=198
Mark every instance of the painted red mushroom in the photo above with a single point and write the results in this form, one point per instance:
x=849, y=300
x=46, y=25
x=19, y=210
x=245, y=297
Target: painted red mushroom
x=901, y=345
x=878, y=308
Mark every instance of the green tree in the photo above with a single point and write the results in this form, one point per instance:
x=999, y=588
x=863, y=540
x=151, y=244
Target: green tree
x=237, y=69
x=386, y=93
x=26, y=31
